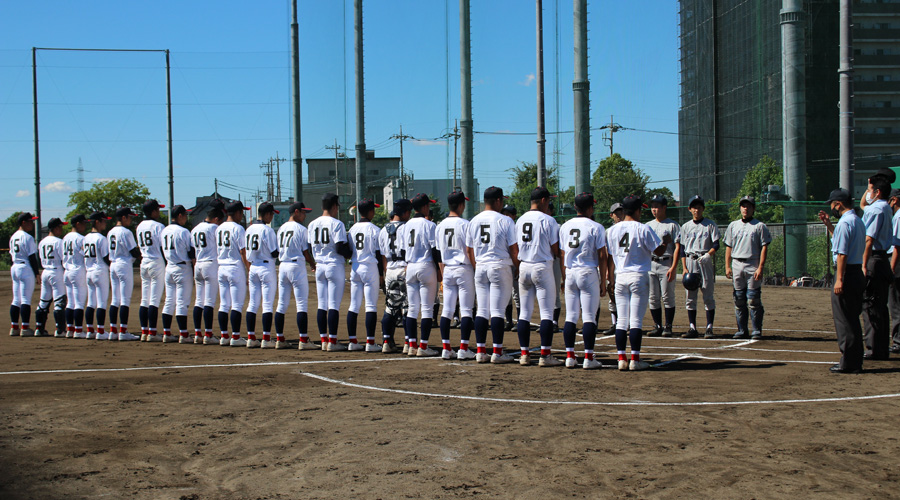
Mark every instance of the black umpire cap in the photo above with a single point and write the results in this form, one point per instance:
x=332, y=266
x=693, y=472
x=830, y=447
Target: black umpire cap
x=77, y=218
x=150, y=206
x=841, y=195
x=24, y=217
x=125, y=212
x=298, y=206
x=697, y=199
x=456, y=197
x=55, y=222
x=420, y=200
x=99, y=216
x=584, y=201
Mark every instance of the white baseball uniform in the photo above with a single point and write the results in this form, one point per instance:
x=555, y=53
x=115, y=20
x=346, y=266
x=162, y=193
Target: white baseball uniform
x=631, y=244
x=292, y=242
x=21, y=245
x=230, y=240
x=662, y=291
x=206, y=270
x=490, y=235
x=261, y=245
x=417, y=237
x=96, y=247
x=121, y=270
x=459, y=275
x=153, y=268
x=580, y=239
x=364, y=281
x=75, y=274
x=53, y=288
x=176, y=242
x=536, y=232
x=324, y=233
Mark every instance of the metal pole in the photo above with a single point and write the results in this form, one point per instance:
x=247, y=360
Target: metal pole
x=37, y=151
x=295, y=98
x=793, y=77
x=455, y=139
x=169, y=123
x=216, y=183
x=846, y=92
x=581, y=88
x=541, y=140
x=402, y=173
x=465, y=62
x=360, y=107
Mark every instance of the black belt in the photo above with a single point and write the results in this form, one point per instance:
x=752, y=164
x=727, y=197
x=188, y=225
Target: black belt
x=749, y=259
x=696, y=256
x=879, y=252
x=854, y=266
x=660, y=259
x=180, y=263
x=293, y=260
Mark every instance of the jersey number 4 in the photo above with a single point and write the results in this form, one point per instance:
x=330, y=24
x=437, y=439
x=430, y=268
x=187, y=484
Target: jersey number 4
x=625, y=243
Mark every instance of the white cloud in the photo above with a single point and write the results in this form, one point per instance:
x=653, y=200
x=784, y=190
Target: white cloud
x=58, y=187
x=23, y=193
x=528, y=80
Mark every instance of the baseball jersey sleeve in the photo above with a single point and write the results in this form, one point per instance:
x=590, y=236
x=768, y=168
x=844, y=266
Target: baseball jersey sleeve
x=765, y=237
x=470, y=233
x=271, y=240
x=713, y=232
x=896, y=229
x=729, y=235
x=239, y=237
x=510, y=231
x=649, y=239
x=840, y=241
x=339, y=231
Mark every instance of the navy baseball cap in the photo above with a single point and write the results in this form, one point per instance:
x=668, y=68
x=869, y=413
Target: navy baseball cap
x=420, y=200
x=125, y=212
x=178, y=210
x=235, y=206
x=331, y=197
x=539, y=193
x=493, y=193
x=266, y=207
x=748, y=199
x=696, y=199
x=895, y=193
x=217, y=203
x=151, y=205
x=24, y=217
x=632, y=203
x=841, y=195
x=298, y=206
x=99, y=216
x=456, y=197
x=509, y=209
x=77, y=218
x=660, y=199
x=366, y=205
x=55, y=222
x=402, y=205
x=584, y=200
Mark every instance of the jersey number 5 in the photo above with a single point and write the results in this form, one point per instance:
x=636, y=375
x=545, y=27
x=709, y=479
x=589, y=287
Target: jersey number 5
x=485, y=233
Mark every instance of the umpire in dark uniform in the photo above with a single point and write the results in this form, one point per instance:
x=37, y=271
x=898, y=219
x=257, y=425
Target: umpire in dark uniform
x=848, y=241
x=877, y=269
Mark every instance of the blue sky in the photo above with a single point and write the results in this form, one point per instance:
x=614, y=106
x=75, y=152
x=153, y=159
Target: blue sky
x=231, y=88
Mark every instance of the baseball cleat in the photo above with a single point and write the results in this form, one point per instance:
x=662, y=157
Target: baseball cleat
x=741, y=335
x=638, y=365
x=127, y=337
x=336, y=347
x=252, y=343
x=709, y=334
x=307, y=346
x=79, y=335
x=525, y=360
x=482, y=357
x=14, y=332
x=59, y=335
x=265, y=344
x=237, y=342
x=224, y=342
x=667, y=332
x=27, y=332
x=144, y=337
x=426, y=353
x=282, y=344
x=623, y=365
x=656, y=332
x=690, y=334
x=500, y=359
x=758, y=336
x=405, y=348
x=454, y=323
x=69, y=334
x=388, y=347
x=185, y=340
x=571, y=362
x=102, y=336
x=41, y=333
x=591, y=364
x=464, y=354
x=448, y=354
x=356, y=346
x=169, y=339
x=325, y=345
x=895, y=349
x=153, y=338
x=548, y=361
x=89, y=335
x=211, y=340
x=610, y=331
x=373, y=348
x=198, y=339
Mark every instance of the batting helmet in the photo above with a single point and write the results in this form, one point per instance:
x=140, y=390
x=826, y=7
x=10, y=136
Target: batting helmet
x=692, y=281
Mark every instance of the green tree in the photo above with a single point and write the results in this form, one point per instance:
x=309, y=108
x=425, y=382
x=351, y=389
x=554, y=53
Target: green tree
x=7, y=228
x=437, y=211
x=615, y=178
x=525, y=178
x=108, y=196
x=755, y=184
x=381, y=216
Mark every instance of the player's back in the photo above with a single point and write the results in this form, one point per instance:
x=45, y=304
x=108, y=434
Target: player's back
x=50, y=252
x=73, y=251
x=292, y=242
x=176, y=241
x=388, y=243
x=536, y=232
x=203, y=238
x=229, y=243
x=417, y=238
x=580, y=239
x=149, y=240
x=21, y=245
x=450, y=239
x=631, y=244
x=95, y=248
x=121, y=243
x=364, y=242
x=490, y=235
x=261, y=243
x=324, y=234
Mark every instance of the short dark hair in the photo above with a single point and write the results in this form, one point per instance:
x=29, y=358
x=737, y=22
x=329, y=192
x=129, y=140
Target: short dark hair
x=881, y=183
x=215, y=213
x=327, y=204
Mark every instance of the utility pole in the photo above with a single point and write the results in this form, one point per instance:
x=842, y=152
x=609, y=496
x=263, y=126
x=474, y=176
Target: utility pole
x=455, y=136
x=402, y=172
x=360, y=107
x=295, y=98
x=846, y=102
x=337, y=173
x=216, y=192
x=277, y=162
x=541, y=140
x=612, y=129
x=581, y=88
x=267, y=166
x=467, y=163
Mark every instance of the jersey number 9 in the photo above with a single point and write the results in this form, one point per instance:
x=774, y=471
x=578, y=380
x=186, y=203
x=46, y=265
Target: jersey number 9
x=527, y=232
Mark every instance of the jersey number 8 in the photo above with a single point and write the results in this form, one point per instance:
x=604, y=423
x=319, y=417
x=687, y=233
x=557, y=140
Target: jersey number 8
x=360, y=241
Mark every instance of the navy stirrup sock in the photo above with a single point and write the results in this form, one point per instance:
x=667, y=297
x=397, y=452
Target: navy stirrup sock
x=465, y=328
x=569, y=334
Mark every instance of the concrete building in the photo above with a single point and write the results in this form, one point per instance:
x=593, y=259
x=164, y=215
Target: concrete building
x=327, y=175
x=439, y=188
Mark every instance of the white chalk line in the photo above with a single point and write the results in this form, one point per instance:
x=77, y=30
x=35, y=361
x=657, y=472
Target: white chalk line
x=594, y=403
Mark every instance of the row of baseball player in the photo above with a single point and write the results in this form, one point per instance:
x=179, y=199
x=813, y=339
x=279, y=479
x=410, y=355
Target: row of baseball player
x=474, y=260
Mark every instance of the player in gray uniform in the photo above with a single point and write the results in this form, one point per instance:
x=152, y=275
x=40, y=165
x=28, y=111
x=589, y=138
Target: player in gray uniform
x=262, y=250
x=180, y=256
x=294, y=249
x=663, y=268
x=894, y=294
x=617, y=215
x=699, y=239
x=206, y=273
x=746, y=244
x=53, y=290
x=23, y=253
x=75, y=277
x=153, y=269
x=394, y=261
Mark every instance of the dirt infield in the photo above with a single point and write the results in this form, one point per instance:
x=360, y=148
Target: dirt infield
x=716, y=418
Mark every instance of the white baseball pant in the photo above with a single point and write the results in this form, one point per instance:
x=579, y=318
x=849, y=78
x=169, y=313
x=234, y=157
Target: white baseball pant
x=421, y=288
x=52, y=286
x=292, y=275
x=232, y=287
x=493, y=289
x=121, y=278
x=330, y=279
x=582, y=294
x=459, y=281
x=76, y=288
x=206, y=283
x=631, y=299
x=536, y=280
x=98, y=289
x=557, y=280
x=662, y=291
x=153, y=282
x=704, y=266
x=364, y=282
x=23, y=284
x=263, y=283
x=179, y=285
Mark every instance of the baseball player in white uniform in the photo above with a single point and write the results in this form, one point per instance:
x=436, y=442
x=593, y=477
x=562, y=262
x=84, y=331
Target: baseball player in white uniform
x=699, y=239
x=366, y=275
x=123, y=251
x=513, y=306
x=616, y=214
x=459, y=276
x=206, y=273
x=582, y=243
x=75, y=278
x=23, y=254
x=153, y=270
x=557, y=278
x=631, y=245
x=233, y=267
x=179, y=255
x=746, y=245
x=492, y=246
x=422, y=259
x=262, y=250
x=96, y=261
x=293, y=244
x=394, y=261
x=663, y=268
x=538, y=238
x=53, y=289
x=328, y=239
